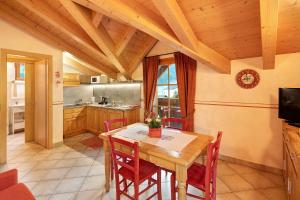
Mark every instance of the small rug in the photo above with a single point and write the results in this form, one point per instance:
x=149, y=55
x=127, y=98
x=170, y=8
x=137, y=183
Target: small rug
x=93, y=142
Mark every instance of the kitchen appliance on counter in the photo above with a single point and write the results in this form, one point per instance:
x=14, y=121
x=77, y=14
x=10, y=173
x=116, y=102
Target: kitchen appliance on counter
x=103, y=100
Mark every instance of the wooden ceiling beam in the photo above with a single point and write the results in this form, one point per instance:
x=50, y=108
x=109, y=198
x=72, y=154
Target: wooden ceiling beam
x=176, y=19
x=269, y=24
x=126, y=37
x=42, y=34
x=99, y=35
x=140, y=18
x=71, y=62
x=96, y=18
x=47, y=13
x=148, y=45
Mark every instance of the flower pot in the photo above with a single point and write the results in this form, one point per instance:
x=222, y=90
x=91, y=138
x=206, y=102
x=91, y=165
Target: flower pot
x=155, y=132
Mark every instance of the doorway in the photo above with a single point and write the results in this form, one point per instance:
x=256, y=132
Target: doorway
x=36, y=73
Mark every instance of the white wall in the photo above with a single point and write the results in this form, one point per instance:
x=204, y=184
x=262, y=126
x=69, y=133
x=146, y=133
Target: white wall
x=251, y=133
x=13, y=38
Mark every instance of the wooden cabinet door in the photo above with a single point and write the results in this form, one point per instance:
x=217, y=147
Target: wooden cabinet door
x=92, y=119
x=133, y=116
x=67, y=127
x=115, y=114
x=81, y=123
x=103, y=116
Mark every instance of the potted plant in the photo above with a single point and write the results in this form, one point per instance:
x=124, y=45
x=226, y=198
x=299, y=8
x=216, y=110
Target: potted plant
x=154, y=123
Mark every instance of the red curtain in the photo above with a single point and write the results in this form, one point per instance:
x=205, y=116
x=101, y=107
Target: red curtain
x=186, y=79
x=150, y=71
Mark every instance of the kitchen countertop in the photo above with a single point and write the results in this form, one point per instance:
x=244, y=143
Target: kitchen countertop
x=122, y=108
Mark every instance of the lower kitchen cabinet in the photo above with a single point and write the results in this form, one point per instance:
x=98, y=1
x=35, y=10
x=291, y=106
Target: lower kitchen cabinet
x=74, y=121
x=91, y=118
x=115, y=114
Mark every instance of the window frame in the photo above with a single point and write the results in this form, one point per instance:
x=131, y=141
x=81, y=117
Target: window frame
x=167, y=62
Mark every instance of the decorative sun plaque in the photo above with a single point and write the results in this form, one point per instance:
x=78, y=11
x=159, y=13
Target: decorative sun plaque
x=247, y=78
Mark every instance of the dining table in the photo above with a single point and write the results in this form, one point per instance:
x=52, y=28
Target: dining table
x=175, y=150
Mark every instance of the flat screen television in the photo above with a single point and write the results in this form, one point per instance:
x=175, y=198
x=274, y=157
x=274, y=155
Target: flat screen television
x=289, y=104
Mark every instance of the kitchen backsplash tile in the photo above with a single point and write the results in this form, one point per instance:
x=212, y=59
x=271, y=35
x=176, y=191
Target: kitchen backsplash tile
x=73, y=94
x=121, y=93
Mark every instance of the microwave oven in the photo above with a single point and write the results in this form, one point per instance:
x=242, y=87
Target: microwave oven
x=95, y=79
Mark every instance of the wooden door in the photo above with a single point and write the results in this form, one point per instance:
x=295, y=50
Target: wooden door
x=3, y=108
x=29, y=102
x=41, y=103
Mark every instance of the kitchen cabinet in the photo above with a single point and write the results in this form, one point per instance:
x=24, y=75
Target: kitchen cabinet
x=91, y=118
x=71, y=79
x=103, y=116
x=93, y=122
x=74, y=121
x=115, y=114
x=132, y=116
x=291, y=159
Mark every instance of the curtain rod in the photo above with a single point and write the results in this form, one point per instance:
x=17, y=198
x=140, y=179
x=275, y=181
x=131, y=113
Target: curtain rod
x=163, y=54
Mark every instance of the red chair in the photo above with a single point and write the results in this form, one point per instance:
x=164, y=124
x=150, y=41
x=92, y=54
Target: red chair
x=204, y=177
x=108, y=127
x=108, y=123
x=10, y=189
x=133, y=169
x=174, y=120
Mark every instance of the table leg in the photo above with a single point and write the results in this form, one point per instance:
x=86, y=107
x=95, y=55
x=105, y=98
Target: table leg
x=107, y=165
x=181, y=176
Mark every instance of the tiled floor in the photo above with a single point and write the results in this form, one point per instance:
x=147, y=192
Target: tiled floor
x=74, y=171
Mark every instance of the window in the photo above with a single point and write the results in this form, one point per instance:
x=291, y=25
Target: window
x=20, y=71
x=167, y=99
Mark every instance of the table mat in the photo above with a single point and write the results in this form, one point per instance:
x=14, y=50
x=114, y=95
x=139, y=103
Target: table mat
x=172, y=140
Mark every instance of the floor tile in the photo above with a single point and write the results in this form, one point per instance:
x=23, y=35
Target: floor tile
x=223, y=169
x=78, y=172
x=64, y=196
x=251, y=195
x=89, y=195
x=56, y=173
x=69, y=185
x=258, y=181
x=93, y=182
x=227, y=196
x=235, y=183
x=222, y=187
x=97, y=169
x=44, y=188
x=34, y=176
x=274, y=193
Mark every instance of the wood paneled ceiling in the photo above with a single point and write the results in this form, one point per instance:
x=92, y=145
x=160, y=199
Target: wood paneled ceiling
x=115, y=35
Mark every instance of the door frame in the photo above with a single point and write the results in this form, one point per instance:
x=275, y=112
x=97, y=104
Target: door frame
x=3, y=97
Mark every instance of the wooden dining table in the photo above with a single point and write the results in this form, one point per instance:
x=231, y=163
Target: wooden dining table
x=178, y=161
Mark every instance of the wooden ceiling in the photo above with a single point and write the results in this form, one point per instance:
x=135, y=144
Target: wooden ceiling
x=115, y=35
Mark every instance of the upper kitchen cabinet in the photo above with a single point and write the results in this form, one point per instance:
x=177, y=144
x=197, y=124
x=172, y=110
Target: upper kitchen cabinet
x=71, y=79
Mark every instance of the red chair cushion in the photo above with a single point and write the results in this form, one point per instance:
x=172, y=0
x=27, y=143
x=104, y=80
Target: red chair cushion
x=16, y=192
x=147, y=169
x=8, y=179
x=196, y=176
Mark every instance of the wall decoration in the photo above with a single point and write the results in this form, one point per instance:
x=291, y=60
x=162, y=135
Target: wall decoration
x=247, y=78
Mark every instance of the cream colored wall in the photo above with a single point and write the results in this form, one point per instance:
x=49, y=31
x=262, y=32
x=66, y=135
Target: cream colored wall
x=251, y=133
x=15, y=39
